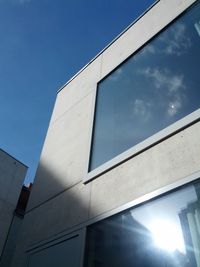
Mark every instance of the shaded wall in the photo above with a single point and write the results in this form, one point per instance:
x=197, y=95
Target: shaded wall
x=15, y=227
x=12, y=174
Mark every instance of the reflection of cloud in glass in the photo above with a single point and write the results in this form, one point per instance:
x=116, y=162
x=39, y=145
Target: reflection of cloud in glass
x=172, y=86
x=174, y=107
x=141, y=109
x=176, y=40
x=173, y=42
x=116, y=74
x=197, y=27
x=149, y=49
x=162, y=78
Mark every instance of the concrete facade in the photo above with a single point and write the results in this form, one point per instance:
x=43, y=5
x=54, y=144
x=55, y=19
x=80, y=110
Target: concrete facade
x=12, y=174
x=60, y=202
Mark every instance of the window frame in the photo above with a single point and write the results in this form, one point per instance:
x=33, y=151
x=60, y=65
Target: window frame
x=154, y=139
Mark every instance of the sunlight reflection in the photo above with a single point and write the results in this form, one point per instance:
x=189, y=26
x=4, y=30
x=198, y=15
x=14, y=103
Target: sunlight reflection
x=167, y=236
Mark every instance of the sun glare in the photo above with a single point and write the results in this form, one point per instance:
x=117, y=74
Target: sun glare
x=167, y=236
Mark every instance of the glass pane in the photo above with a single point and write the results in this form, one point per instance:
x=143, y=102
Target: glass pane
x=162, y=233
x=153, y=89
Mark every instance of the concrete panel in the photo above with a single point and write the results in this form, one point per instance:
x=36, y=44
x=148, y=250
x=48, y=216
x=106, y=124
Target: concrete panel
x=160, y=165
x=16, y=185
x=11, y=242
x=61, y=213
x=7, y=173
x=63, y=158
x=20, y=258
x=6, y=211
x=12, y=174
x=77, y=89
x=144, y=29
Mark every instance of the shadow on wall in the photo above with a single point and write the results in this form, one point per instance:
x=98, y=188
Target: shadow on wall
x=50, y=213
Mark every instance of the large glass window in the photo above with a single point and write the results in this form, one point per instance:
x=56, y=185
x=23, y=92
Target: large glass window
x=164, y=232
x=151, y=90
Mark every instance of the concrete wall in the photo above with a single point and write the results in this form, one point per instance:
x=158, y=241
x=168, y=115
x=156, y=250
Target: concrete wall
x=11, y=241
x=12, y=174
x=60, y=200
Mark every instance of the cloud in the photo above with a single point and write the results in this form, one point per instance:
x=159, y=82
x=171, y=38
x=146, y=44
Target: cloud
x=149, y=49
x=175, y=40
x=116, y=74
x=174, y=107
x=141, y=108
x=197, y=27
x=164, y=78
x=172, y=85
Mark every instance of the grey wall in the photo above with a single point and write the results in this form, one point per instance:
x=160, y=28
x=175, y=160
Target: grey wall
x=11, y=241
x=59, y=199
x=12, y=174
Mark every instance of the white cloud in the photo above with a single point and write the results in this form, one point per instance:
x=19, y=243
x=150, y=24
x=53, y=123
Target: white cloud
x=149, y=49
x=174, y=107
x=172, y=85
x=142, y=109
x=116, y=74
x=197, y=27
x=163, y=78
x=119, y=71
x=176, y=83
x=175, y=40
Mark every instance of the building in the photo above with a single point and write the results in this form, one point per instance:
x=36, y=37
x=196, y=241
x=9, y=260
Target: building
x=15, y=227
x=118, y=178
x=12, y=175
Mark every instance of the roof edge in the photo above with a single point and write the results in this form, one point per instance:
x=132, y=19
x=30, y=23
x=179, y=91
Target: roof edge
x=13, y=158
x=101, y=52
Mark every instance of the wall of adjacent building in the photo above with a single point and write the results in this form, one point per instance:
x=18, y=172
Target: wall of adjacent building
x=12, y=174
x=60, y=200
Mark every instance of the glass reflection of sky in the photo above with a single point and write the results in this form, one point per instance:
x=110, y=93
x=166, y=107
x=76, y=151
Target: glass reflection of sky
x=154, y=88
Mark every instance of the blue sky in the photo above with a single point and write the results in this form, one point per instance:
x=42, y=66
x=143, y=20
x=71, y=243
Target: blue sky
x=43, y=44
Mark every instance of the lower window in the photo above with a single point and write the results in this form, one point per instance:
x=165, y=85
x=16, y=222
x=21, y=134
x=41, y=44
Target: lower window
x=164, y=232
